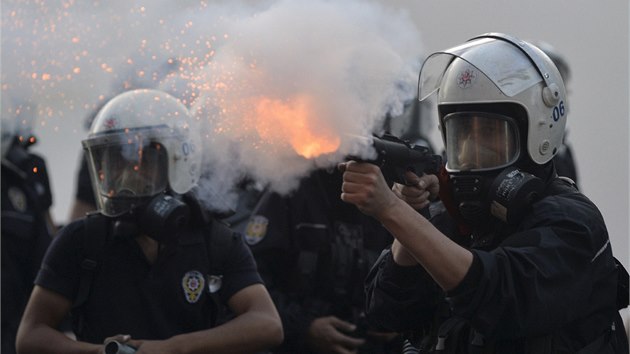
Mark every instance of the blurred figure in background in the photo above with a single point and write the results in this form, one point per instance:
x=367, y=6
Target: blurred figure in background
x=27, y=225
x=564, y=161
x=413, y=125
x=249, y=196
x=313, y=252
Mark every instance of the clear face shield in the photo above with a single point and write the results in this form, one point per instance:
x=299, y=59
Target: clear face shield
x=127, y=170
x=477, y=141
x=131, y=171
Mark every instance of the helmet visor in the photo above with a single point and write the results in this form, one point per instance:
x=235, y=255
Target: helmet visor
x=130, y=170
x=508, y=68
x=480, y=141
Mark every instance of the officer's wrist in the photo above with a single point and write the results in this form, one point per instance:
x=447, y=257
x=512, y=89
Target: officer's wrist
x=400, y=274
x=401, y=256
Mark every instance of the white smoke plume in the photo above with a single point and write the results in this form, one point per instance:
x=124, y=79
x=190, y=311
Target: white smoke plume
x=347, y=62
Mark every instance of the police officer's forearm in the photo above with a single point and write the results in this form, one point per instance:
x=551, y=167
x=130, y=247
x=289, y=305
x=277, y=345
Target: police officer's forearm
x=401, y=256
x=38, y=332
x=248, y=333
x=256, y=327
x=446, y=261
x=48, y=340
x=44, y=343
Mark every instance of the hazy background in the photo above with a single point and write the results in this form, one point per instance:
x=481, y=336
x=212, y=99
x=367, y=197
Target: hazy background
x=594, y=37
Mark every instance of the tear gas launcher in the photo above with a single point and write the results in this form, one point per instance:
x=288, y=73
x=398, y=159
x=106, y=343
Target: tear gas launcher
x=115, y=347
x=396, y=156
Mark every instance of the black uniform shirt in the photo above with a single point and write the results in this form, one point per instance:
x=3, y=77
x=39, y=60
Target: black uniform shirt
x=26, y=197
x=554, y=275
x=314, y=252
x=147, y=301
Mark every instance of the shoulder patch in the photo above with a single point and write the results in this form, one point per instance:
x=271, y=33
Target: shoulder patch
x=17, y=199
x=214, y=283
x=256, y=229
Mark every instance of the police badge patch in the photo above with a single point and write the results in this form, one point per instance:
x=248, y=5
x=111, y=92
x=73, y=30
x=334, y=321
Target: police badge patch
x=17, y=199
x=256, y=229
x=193, y=284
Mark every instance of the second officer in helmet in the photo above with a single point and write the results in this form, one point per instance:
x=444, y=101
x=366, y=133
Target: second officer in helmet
x=151, y=269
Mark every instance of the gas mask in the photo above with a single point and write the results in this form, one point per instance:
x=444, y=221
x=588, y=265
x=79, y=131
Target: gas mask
x=506, y=195
x=161, y=218
x=133, y=177
x=512, y=193
x=128, y=175
x=481, y=150
x=164, y=217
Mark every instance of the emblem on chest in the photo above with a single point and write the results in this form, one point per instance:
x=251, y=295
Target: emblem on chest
x=193, y=284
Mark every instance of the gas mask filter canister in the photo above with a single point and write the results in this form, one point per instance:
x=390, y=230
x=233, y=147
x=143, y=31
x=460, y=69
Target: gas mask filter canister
x=512, y=194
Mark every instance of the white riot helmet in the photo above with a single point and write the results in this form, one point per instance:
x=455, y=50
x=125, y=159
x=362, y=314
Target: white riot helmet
x=485, y=75
x=141, y=144
x=502, y=110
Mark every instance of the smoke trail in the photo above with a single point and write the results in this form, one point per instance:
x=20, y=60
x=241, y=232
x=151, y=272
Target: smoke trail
x=349, y=62
x=355, y=61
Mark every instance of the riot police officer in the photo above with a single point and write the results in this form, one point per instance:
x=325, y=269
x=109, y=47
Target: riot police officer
x=313, y=252
x=27, y=226
x=522, y=262
x=151, y=269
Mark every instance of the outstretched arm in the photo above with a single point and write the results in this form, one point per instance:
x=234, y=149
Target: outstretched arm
x=446, y=261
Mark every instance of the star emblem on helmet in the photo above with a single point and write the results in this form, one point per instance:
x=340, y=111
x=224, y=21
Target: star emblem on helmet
x=466, y=78
x=111, y=123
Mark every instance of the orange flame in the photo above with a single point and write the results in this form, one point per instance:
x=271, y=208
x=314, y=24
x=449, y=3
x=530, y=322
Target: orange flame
x=294, y=120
